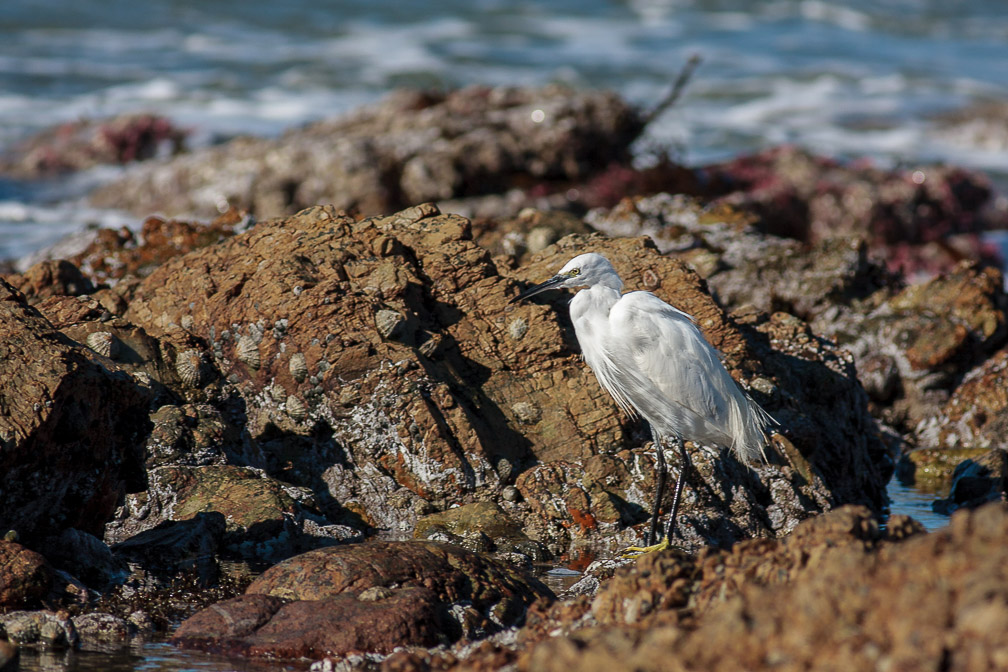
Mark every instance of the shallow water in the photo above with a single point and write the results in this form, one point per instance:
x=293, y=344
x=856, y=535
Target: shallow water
x=915, y=503
x=858, y=79
x=159, y=656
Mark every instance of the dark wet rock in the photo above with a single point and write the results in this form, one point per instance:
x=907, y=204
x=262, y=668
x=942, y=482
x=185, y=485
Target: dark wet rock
x=48, y=629
x=83, y=144
x=25, y=576
x=98, y=631
x=380, y=365
x=411, y=147
x=51, y=278
x=190, y=435
x=174, y=546
x=930, y=469
x=69, y=431
x=86, y=557
x=976, y=481
x=365, y=597
x=265, y=519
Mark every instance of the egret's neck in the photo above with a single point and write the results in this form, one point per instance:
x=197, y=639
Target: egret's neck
x=595, y=301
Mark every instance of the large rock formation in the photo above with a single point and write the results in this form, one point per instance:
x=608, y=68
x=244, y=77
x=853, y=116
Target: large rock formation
x=385, y=350
x=409, y=148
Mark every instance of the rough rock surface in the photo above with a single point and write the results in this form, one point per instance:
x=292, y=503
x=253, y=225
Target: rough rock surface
x=115, y=254
x=915, y=345
x=51, y=278
x=838, y=593
x=410, y=148
x=917, y=216
x=743, y=265
x=385, y=349
x=25, y=576
x=481, y=527
x=976, y=415
x=265, y=518
x=69, y=427
x=47, y=629
x=931, y=602
x=365, y=597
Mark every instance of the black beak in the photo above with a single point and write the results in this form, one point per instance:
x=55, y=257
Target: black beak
x=542, y=287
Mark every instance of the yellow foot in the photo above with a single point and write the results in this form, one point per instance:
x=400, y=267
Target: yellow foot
x=637, y=551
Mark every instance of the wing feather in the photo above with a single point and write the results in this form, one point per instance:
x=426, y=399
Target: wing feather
x=665, y=367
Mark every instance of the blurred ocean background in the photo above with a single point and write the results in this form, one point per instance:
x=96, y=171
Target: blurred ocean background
x=862, y=78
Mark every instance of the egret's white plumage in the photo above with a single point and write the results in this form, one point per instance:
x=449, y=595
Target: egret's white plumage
x=655, y=363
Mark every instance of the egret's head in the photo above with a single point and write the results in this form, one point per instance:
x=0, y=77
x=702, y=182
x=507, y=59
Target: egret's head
x=583, y=270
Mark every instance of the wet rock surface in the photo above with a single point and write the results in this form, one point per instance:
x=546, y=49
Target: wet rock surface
x=368, y=597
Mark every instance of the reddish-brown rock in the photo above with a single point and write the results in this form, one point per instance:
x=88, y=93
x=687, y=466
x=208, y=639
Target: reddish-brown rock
x=115, y=254
x=51, y=278
x=369, y=597
x=25, y=577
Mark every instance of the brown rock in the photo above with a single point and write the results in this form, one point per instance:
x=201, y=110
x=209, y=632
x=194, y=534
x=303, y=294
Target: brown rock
x=69, y=427
x=929, y=335
x=334, y=626
x=115, y=254
x=837, y=594
x=25, y=576
x=976, y=416
x=409, y=148
x=51, y=278
x=481, y=527
x=395, y=334
x=369, y=597
x=921, y=219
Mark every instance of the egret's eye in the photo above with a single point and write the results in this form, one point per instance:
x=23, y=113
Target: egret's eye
x=574, y=272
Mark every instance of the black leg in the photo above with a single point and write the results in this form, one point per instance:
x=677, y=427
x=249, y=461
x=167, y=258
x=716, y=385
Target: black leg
x=686, y=466
x=659, y=489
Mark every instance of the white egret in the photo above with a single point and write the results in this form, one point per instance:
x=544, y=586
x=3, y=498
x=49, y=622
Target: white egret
x=656, y=364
